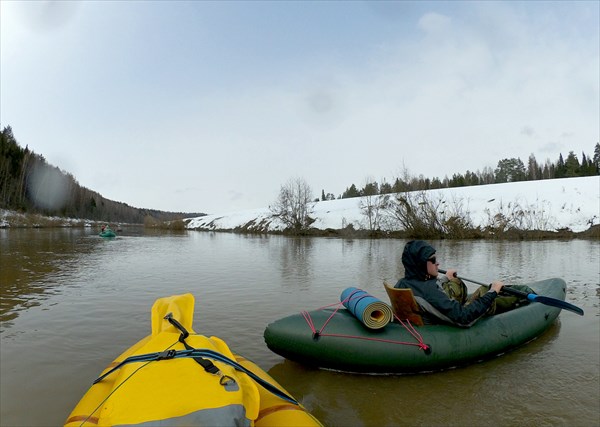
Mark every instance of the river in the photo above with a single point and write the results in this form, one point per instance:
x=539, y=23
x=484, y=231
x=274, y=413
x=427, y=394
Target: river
x=71, y=302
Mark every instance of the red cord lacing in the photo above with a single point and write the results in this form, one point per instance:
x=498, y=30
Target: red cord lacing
x=406, y=324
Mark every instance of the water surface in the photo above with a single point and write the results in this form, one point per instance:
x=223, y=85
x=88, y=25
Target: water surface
x=71, y=302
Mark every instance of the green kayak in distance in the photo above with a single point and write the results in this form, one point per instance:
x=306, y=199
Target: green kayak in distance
x=343, y=343
x=108, y=233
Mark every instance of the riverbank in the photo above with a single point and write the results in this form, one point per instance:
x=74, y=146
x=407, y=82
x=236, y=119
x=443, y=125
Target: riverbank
x=548, y=209
x=12, y=219
x=558, y=208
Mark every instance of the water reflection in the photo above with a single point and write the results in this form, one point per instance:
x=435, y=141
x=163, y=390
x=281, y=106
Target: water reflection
x=33, y=263
x=295, y=262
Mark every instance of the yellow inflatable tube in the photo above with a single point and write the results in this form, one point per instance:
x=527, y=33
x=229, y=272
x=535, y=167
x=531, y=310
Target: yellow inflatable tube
x=179, y=391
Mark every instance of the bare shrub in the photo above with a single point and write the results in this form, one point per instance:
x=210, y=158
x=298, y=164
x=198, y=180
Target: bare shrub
x=457, y=219
x=536, y=217
x=519, y=216
x=373, y=207
x=177, y=224
x=416, y=214
x=151, y=222
x=429, y=216
x=294, y=205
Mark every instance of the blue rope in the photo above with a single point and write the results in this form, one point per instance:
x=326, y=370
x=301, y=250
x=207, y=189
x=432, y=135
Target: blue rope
x=178, y=354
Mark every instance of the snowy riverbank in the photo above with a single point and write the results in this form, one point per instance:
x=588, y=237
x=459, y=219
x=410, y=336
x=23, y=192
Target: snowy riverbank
x=550, y=205
x=557, y=204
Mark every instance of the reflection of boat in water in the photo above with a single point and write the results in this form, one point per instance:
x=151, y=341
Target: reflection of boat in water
x=336, y=339
x=176, y=377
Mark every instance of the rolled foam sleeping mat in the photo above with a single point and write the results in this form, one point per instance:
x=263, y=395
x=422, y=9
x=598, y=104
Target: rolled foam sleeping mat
x=372, y=312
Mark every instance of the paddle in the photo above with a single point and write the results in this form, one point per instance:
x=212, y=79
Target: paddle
x=531, y=297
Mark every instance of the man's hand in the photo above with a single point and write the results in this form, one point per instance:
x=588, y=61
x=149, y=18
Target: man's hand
x=497, y=286
x=451, y=274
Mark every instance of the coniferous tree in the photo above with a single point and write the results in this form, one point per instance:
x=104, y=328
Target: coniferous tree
x=561, y=170
x=591, y=169
x=571, y=165
x=400, y=186
x=596, y=159
x=350, y=192
x=457, y=180
x=587, y=167
x=510, y=170
x=385, y=188
x=549, y=170
x=436, y=183
x=370, y=189
x=471, y=178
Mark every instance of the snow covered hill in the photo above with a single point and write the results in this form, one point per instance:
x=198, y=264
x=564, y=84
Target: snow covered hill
x=568, y=203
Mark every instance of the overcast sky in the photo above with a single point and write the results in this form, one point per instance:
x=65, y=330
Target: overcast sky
x=212, y=106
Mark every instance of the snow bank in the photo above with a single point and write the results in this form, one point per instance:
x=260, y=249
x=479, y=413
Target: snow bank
x=552, y=204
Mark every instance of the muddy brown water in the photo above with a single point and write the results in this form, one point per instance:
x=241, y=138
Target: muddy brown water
x=71, y=302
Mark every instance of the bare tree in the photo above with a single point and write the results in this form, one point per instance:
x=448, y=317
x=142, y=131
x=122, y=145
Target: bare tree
x=294, y=205
x=372, y=208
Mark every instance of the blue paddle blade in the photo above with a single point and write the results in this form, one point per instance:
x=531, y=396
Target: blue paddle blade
x=544, y=300
x=555, y=303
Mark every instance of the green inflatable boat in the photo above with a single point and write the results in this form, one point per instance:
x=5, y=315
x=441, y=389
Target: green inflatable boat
x=107, y=233
x=336, y=339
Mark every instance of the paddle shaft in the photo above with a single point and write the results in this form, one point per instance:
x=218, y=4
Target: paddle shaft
x=531, y=297
x=504, y=289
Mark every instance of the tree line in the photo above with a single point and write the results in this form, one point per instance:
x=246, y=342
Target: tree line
x=29, y=184
x=507, y=170
x=404, y=205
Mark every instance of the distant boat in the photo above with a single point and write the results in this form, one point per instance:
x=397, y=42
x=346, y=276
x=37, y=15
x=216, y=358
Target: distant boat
x=107, y=232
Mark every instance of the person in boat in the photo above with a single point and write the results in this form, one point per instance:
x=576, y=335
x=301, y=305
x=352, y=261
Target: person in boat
x=445, y=299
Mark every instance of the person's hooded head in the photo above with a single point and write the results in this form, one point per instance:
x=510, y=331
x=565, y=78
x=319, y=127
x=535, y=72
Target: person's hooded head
x=414, y=259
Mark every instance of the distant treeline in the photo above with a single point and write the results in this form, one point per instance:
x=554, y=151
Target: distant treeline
x=508, y=170
x=29, y=184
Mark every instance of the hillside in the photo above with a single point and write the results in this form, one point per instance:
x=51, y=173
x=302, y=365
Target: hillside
x=548, y=205
x=30, y=186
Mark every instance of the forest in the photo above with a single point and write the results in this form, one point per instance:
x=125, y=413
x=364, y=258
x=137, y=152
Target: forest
x=28, y=184
x=507, y=170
